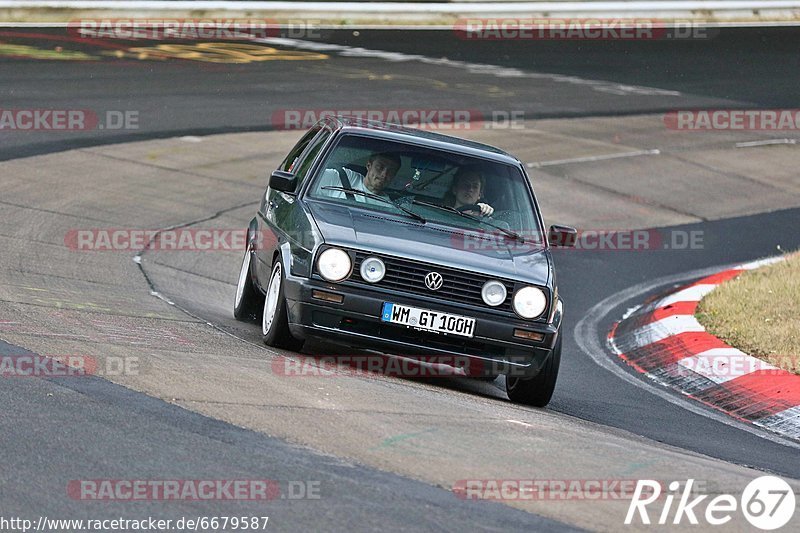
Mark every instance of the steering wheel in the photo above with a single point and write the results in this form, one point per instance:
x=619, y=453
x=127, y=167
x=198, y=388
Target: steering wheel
x=469, y=207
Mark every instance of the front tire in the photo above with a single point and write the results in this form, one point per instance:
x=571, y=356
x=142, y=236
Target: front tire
x=247, y=302
x=275, y=318
x=538, y=390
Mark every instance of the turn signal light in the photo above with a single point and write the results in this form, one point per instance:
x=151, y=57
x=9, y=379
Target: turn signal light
x=327, y=296
x=528, y=335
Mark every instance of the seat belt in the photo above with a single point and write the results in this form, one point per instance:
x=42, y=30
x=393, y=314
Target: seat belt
x=346, y=184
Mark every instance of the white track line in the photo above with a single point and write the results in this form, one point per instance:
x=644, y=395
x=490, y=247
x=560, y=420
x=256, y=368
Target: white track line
x=749, y=144
x=591, y=158
x=520, y=423
x=619, y=89
x=752, y=265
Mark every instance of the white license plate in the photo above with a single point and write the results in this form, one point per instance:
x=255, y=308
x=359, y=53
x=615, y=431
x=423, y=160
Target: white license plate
x=428, y=320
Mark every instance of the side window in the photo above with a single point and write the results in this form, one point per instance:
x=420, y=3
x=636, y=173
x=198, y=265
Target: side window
x=301, y=171
x=289, y=163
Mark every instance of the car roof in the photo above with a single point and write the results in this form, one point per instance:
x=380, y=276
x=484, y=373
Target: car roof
x=396, y=132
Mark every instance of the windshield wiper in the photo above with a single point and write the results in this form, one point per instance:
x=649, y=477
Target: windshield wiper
x=348, y=190
x=513, y=235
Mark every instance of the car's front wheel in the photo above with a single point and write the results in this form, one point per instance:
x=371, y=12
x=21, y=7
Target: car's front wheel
x=247, y=302
x=537, y=390
x=275, y=318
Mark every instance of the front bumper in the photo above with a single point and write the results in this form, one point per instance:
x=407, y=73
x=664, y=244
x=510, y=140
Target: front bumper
x=356, y=321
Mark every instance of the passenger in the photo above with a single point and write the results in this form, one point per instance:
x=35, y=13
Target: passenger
x=467, y=189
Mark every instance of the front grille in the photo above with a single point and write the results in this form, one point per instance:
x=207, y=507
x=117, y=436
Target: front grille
x=404, y=275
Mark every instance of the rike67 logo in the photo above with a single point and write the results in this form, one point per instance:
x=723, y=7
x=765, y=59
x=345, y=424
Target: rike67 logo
x=767, y=503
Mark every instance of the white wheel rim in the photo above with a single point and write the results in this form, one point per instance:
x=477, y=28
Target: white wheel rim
x=271, y=301
x=243, y=272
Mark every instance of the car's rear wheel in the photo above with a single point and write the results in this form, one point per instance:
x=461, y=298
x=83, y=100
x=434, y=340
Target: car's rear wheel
x=275, y=318
x=247, y=302
x=537, y=390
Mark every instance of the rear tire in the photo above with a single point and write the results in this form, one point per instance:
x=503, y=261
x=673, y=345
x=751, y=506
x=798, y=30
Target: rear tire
x=275, y=318
x=538, y=390
x=247, y=302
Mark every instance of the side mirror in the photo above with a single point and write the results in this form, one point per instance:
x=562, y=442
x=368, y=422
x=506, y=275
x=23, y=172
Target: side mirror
x=562, y=236
x=283, y=181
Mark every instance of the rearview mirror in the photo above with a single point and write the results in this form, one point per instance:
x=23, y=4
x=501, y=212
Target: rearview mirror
x=283, y=181
x=428, y=164
x=562, y=236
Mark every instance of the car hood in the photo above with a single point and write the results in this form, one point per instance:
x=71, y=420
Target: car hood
x=431, y=243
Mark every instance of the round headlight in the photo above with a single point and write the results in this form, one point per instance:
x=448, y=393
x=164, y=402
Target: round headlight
x=530, y=302
x=334, y=264
x=372, y=269
x=493, y=293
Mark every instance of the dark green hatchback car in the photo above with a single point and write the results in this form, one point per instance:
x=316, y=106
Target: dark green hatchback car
x=412, y=243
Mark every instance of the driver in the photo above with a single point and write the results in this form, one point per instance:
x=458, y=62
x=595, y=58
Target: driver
x=381, y=169
x=467, y=188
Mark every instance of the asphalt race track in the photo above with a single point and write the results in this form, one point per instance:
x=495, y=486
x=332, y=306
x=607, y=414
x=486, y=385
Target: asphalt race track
x=385, y=451
x=175, y=97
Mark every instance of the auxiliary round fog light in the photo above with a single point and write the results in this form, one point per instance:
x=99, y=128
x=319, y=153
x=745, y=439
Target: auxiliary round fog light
x=372, y=269
x=494, y=293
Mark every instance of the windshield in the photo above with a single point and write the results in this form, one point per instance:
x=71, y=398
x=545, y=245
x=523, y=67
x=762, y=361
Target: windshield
x=440, y=187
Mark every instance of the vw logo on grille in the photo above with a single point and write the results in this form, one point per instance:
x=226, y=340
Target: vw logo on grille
x=433, y=280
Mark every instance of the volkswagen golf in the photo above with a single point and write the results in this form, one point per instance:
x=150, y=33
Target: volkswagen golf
x=411, y=243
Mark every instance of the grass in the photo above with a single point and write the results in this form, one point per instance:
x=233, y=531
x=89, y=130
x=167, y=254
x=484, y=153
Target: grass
x=758, y=312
